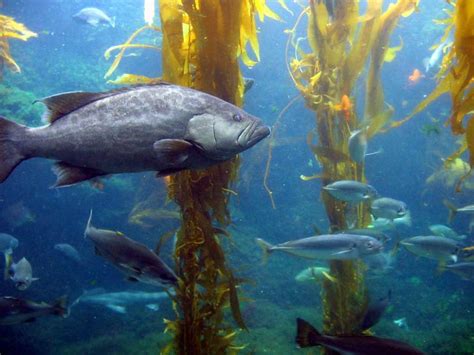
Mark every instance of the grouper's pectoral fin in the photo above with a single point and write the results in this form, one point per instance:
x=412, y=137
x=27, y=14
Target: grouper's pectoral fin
x=172, y=152
x=67, y=174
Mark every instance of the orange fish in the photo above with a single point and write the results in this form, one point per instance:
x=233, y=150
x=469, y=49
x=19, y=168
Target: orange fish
x=167, y=180
x=345, y=106
x=415, y=77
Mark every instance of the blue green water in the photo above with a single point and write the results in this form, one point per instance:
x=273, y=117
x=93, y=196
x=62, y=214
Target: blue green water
x=68, y=56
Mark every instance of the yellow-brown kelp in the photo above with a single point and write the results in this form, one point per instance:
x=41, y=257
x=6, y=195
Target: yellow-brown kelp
x=202, y=43
x=342, y=42
x=456, y=77
x=10, y=29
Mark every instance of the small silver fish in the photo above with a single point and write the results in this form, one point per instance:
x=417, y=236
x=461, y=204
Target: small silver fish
x=134, y=259
x=433, y=247
x=445, y=231
x=435, y=58
x=20, y=273
x=68, y=251
x=16, y=310
x=465, y=270
x=315, y=273
x=118, y=301
x=389, y=208
x=358, y=145
x=350, y=191
x=379, y=263
x=7, y=243
x=326, y=247
x=94, y=16
x=384, y=224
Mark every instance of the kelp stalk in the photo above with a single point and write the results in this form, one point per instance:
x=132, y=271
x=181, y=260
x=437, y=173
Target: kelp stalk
x=343, y=41
x=202, y=42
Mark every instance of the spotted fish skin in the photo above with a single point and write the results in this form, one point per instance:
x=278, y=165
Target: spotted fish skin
x=164, y=128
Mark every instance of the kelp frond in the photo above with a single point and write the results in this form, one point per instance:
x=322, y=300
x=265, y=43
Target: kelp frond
x=123, y=47
x=341, y=44
x=456, y=76
x=10, y=29
x=203, y=42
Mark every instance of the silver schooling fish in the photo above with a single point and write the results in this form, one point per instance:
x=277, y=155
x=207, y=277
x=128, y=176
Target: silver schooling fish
x=388, y=208
x=7, y=243
x=94, y=16
x=326, y=247
x=118, y=301
x=350, y=191
x=433, y=247
x=20, y=273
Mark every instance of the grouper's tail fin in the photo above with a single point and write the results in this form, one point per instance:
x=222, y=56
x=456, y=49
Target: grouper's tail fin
x=306, y=334
x=11, y=135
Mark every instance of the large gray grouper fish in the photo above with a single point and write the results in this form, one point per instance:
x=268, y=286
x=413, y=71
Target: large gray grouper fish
x=133, y=259
x=164, y=128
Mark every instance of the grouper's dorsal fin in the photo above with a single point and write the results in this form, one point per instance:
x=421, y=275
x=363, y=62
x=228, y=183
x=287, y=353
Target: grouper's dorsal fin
x=60, y=105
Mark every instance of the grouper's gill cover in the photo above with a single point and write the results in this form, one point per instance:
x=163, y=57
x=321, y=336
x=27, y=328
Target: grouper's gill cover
x=164, y=128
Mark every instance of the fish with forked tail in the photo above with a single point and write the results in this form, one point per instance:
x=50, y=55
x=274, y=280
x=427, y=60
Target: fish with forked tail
x=307, y=336
x=326, y=247
x=163, y=127
x=433, y=247
x=134, y=259
x=350, y=191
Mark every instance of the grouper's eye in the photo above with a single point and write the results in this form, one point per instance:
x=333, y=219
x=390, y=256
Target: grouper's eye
x=237, y=117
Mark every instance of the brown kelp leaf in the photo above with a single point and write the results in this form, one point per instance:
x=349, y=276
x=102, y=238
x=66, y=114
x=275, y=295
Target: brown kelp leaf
x=132, y=79
x=333, y=155
x=234, y=303
x=123, y=48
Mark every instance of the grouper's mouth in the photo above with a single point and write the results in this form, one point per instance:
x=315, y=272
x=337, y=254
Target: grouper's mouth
x=252, y=134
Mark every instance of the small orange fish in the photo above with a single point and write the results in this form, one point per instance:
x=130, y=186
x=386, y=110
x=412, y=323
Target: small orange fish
x=415, y=77
x=167, y=180
x=345, y=107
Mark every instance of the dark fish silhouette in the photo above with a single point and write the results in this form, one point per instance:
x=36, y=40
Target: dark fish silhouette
x=308, y=336
x=375, y=311
x=16, y=310
x=164, y=128
x=134, y=259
